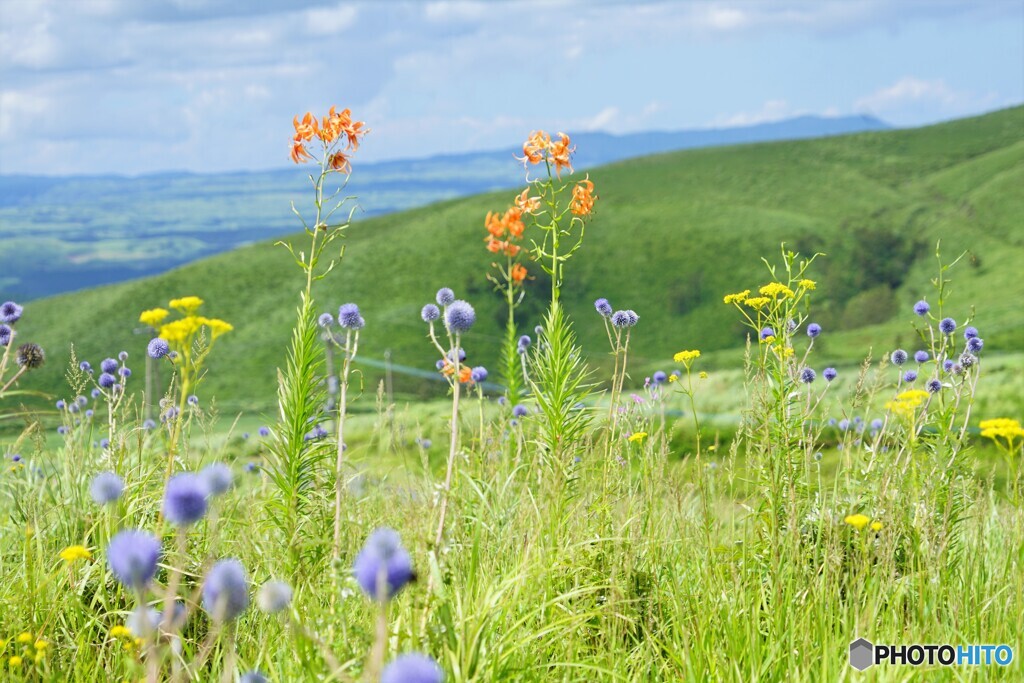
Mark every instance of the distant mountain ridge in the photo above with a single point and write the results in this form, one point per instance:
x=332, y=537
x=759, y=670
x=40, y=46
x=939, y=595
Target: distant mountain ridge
x=60, y=234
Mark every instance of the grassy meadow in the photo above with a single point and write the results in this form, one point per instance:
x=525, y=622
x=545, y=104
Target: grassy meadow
x=749, y=458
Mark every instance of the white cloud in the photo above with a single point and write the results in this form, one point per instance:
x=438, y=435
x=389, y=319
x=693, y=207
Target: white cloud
x=329, y=21
x=772, y=110
x=18, y=110
x=601, y=120
x=454, y=11
x=909, y=89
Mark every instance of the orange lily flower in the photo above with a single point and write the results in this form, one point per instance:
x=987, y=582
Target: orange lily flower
x=340, y=162
x=560, y=152
x=526, y=203
x=534, y=147
x=494, y=224
x=307, y=128
x=582, y=198
x=299, y=153
x=465, y=375
x=514, y=221
x=518, y=273
x=353, y=131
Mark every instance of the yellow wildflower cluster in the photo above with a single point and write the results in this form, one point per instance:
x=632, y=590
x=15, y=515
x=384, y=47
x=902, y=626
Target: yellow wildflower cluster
x=1001, y=428
x=73, y=553
x=637, y=437
x=775, y=289
x=33, y=650
x=809, y=285
x=737, y=298
x=757, y=301
x=153, y=316
x=120, y=632
x=859, y=521
x=686, y=356
x=906, y=402
x=187, y=304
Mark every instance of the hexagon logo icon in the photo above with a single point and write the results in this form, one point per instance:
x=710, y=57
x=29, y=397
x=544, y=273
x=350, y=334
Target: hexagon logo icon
x=862, y=654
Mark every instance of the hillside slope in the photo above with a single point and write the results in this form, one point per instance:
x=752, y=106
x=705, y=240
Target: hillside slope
x=672, y=234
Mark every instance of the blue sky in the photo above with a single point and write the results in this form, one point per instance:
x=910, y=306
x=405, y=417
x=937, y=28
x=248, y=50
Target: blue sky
x=131, y=86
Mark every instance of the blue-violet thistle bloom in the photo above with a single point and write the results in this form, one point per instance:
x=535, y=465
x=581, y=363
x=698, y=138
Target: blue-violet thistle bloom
x=430, y=313
x=519, y=410
x=107, y=380
x=106, y=487
x=254, y=676
x=807, y=375
x=659, y=377
x=910, y=376
x=217, y=477
x=109, y=365
x=970, y=331
x=813, y=330
x=947, y=325
x=974, y=344
x=325, y=320
x=84, y=366
x=459, y=316
x=922, y=307
x=274, y=596
x=349, y=317
x=603, y=307
x=10, y=312
x=133, y=556
x=478, y=374
x=226, y=590
x=767, y=332
x=829, y=374
x=934, y=386
x=412, y=668
x=445, y=296
x=383, y=559
x=898, y=357
x=921, y=356
x=185, y=499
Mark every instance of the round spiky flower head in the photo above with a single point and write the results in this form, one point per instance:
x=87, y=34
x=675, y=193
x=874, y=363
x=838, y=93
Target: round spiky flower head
x=974, y=344
x=217, y=477
x=325, y=320
x=226, y=590
x=934, y=386
x=624, y=318
x=185, y=499
x=106, y=487
x=603, y=307
x=383, y=563
x=519, y=410
x=349, y=317
x=430, y=313
x=478, y=374
x=10, y=312
x=5, y=335
x=254, y=676
x=921, y=356
x=274, y=596
x=829, y=374
x=459, y=316
x=106, y=380
x=898, y=357
x=109, y=365
x=947, y=365
x=659, y=377
x=445, y=296
x=30, y=356
x=767, y=332
x=967, y=360
x=910, y=376
x=85, y=366
x=807, y=375
x=922, y=307
x=947, y=326
x=412, y=668
x=813, y=330
x=133, y=556
x=523, y=343
x=970, y=331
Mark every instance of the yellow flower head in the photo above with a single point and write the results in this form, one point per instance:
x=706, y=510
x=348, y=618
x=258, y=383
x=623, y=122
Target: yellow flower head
x=775, y=289
x=637, y=437
x=876, y=526
x=1001, y=428
x=757, y=301
x=41, y=644
x=153, y=316
x=74, y=553
x=120, y=632
x=809, y=285
x=14, y=661
x=770, y=339
x=686, y=356
x=737, y=298
x=672, y=378
x=25, y=638
x=187, y=304
x=857, y=521
x=217, y=326
x=906, y=402
x=703, y=375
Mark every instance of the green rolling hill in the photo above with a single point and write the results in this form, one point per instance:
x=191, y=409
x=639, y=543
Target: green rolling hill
x=672, y=234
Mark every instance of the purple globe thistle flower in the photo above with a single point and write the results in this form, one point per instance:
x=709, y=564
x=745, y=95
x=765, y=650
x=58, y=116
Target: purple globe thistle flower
x=844, y=425
x=254, y=676
x=106, y=487
x=252, y=468
x=621, y=319
x=426, y=443
x=109, y=365
x=185, y=499
x=974, y=344
x=149, y=425
x=125, y=372
x=459, y=316
x=349, y=317
x=633, y=317
x=829, y=374
x=107, y=380
x=89, y=413
x=383, y=559
x=84, y=366
x=16, y=457
x=264, y=431
x=74, y=408
x=947, y=365
x=947, y=325
x=659, y=377
x=81, y=400
x=192, y=400
x=807, y=375
x=62, y=430
x=898, y=357
x=317, y=433
x=412, y=668
x=460, y=352
x=217, y=477
x=876, y=423
x=430, y=313
x=172, y=356
x=813, y=330
x=957, y=369
x=922, y=307
x=10, y=312
x=514, y=422
x=122, y=356
x=30, y=356
x=478, y=374
x=61, y=405
x=325, y=320
x=934, y=386
x=142, y=621
x=910, y=376
x=921, y=356
x=104, y=443
x=6, y=333
x=274, y=597
x=767, y=332
x=519, y=410
x=226, y=590
x=538, y=330
x=440, y=365
x=95, y=393
x=603, y=308
x=523, y=343
x=967, y=360
x=970, y=331
x=158, y=348
x=133, y=556
x=445, y=297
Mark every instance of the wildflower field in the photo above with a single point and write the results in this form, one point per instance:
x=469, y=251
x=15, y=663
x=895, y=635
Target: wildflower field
x=730, y=480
